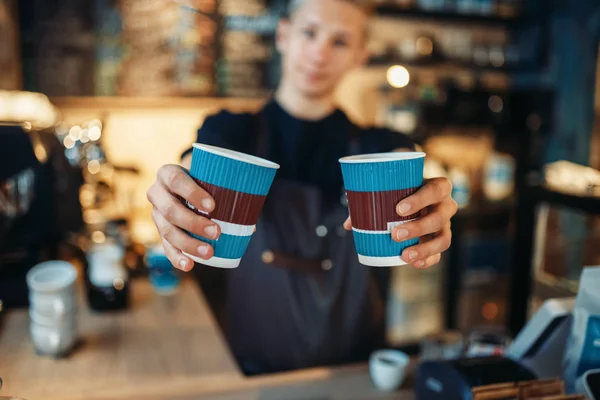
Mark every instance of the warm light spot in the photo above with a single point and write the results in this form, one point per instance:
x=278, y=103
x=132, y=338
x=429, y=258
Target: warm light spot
x=86, y=196
x=69, y=142
x=75, y=132
x=119, y=284
x=40, y=152
x=94, y=133
x=398, y=76
x=489, y=311
x=84, y=136
x=424, y=46
x=98, y=237
x=92, y=217
x=94, y=167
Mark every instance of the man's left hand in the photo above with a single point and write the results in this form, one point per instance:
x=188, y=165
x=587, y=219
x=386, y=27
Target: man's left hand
x=437, y=207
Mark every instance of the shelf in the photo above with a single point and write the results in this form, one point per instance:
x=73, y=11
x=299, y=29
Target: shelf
x=541, y=194
x=453, y=65
x=447, y=16
x=484, y=215
x=486, y=208
x=117, y=103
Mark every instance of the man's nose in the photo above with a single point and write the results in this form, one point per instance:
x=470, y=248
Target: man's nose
x=321, y=52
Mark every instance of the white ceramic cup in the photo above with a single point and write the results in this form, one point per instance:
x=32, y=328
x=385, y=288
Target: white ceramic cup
x=53, y=306
x=53, y=340
x=52, y=277
x=52, y=288
x=67, y=320
x=388, y=369
x=53, y=336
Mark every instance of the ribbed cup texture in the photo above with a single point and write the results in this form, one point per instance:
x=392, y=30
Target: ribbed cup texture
x=383, y=176
x=373, y=211
x=234, y=207
x=231, y=174
x=228, y=246
x=380, y=244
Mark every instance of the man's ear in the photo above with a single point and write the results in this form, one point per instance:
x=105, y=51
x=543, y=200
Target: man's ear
x=283, y=34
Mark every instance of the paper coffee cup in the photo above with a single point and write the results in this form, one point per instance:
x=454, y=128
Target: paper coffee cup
x=239, y=184
x=375, y=184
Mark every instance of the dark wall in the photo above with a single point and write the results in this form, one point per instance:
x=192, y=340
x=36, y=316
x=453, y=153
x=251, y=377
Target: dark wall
x=573, y=33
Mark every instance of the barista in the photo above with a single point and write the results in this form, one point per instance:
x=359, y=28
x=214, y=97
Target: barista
x=300, y=298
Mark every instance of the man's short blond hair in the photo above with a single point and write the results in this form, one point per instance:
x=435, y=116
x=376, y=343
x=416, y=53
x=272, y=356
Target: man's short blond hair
x=365, y=5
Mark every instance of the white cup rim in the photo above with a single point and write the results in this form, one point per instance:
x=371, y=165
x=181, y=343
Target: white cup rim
x=236, y=155
x=63, y=275
x=382, y=157
x=399, y=358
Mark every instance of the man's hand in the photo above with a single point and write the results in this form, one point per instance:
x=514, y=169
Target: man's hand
x=173, y=219
x=433, y=228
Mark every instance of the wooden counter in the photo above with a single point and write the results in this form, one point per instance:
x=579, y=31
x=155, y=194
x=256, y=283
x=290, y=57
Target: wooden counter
x=162, y=347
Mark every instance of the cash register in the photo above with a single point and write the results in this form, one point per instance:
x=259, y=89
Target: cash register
x=535, y=353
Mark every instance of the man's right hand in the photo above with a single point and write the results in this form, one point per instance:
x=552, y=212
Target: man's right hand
x=173, y=219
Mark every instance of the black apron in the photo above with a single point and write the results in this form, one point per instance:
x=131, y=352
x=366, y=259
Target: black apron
x=299, y=297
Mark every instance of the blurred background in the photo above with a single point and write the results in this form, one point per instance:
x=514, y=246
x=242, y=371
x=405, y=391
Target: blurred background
x=502, y=94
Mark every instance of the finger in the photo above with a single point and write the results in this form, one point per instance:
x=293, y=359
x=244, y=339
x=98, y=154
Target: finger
x=429, y=262
x=176, y=179
x=427, y=248
x=348, y=224
x=177, y=258
x=433, y=192
x=179, y=215
x=434, y=221
x=181, y=240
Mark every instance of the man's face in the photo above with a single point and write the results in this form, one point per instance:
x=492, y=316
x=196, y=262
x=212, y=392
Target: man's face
x=322, y=41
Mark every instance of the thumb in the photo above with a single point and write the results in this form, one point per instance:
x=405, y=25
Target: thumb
x=348, y=224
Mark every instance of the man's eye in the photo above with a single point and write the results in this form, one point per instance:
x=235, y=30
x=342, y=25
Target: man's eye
x=309, y=33
x=340, y=43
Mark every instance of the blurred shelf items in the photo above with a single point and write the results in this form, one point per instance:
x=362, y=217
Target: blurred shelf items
x=454, y=10
x=227, y=48
x=149, y=48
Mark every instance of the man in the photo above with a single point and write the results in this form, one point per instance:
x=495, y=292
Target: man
x=300, y=298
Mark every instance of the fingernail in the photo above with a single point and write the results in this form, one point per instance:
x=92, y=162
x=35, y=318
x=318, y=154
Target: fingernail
x=403, y=208
x=412, y=255
x=210, y=231
x=183, y=263
x=401, y=234
x=420, y=264
x=202, y=250
x=207, y=204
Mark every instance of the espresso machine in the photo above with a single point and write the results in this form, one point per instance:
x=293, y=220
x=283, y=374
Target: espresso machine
x=39, y=192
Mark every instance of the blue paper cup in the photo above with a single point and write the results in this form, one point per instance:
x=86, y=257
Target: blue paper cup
x=375, y=184
x=161, y=273
x=239, y=184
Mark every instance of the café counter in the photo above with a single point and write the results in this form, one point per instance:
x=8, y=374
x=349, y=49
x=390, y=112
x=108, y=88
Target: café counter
x=162, y=347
